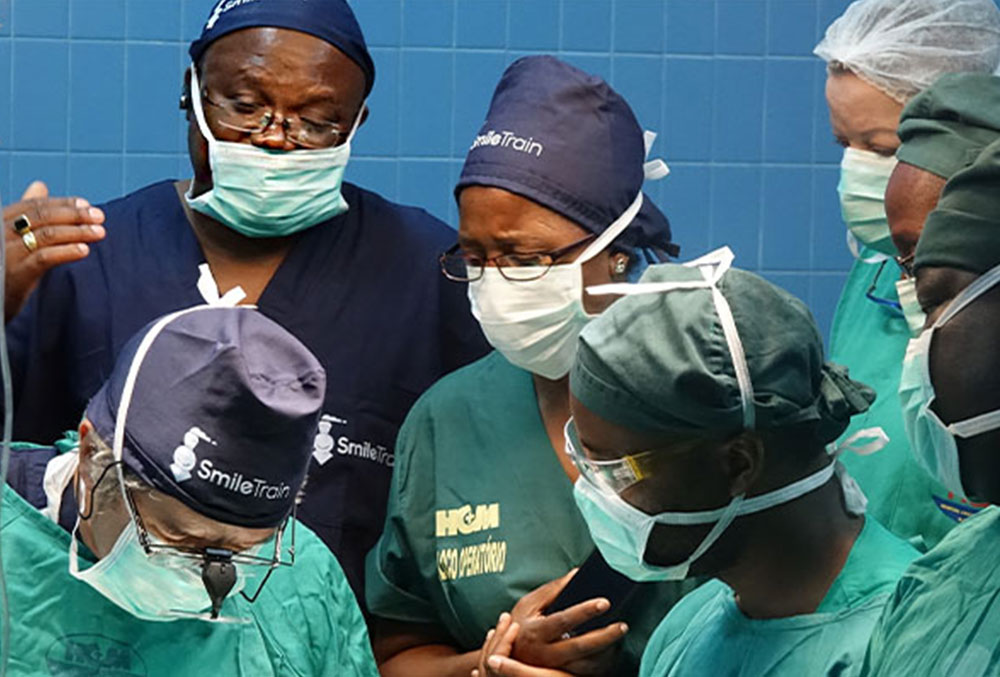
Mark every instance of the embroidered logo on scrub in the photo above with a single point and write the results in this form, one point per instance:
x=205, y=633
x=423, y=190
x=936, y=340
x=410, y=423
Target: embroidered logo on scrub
x=485, y=557
x=957, y=509
x=93, y=655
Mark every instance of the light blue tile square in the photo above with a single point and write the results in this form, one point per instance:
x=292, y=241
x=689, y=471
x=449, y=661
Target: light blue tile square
x=428, y=23
x=194, y=15
x=380, y=133
x=738, y=110
x=7, y=195
x=103, y=19
x=736, y=213
x=97, y=104
x=40, y=18
x=481, y=23
x=6, y=96
x=41, y=83
x=476, y=76
x=425, y=109
x=824, y=293
x=789, y=115
x=380, y=175
x=827, y=12
x=796, y=285
x=427, y=184
x=534, y=24
x=142, y=170
x=98, y=178
x=639, y=25
x=786, y=228
x=159, y=20
x=790, y=29
x=690, y=26
x=740, y=26
x=586, y=25
x=829, y=232
x=639, y=79
x=594, y=64
x=688, y=108
x=381, y=21
x=153, y=84
x=687, y=202
x=5, y=20
x=27, y=167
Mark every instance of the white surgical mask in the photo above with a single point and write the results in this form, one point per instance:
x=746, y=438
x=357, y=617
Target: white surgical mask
x=933, y=441
x=621, y=531
x=269, y=193
x=150, y=588
x=864, y=176
x=535, y=324
x=906, y=290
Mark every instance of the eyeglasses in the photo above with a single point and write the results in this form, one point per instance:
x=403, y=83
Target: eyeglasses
x=252, y=118
x=202, y=558
x=885, y=303
x=906, y=263
x=614, y=476
x=461, y=266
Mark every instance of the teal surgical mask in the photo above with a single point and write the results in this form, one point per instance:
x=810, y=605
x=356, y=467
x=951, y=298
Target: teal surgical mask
x=620, y=530
x=933, y=441
x=150, y=587
x=266, y=193
x=864, y=176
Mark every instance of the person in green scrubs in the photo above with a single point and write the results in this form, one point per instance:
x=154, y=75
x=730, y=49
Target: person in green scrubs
x=163, y=543
x=944, y=618
x=704, y=443
x=880, y=54
x=481, y=519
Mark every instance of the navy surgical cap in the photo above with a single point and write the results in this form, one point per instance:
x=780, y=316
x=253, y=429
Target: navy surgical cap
x=329, y=20
x=564, y=139
x=223, y=413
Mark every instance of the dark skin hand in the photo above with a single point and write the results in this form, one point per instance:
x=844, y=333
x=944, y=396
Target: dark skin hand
x=780, y=562
x=64, y=228
x=292, y=73
x=495, y=222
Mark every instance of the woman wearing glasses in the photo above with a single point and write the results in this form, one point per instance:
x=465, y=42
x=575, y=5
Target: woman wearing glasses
x=481, y=519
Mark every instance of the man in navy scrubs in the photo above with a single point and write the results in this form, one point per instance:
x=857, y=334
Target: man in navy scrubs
x=274, y=96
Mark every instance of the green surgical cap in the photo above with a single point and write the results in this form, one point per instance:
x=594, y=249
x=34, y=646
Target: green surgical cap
x=947, y=125
x=964, y=230
x=659, y=362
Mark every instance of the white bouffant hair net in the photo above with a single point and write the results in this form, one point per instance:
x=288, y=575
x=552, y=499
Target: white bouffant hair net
x=902, y=46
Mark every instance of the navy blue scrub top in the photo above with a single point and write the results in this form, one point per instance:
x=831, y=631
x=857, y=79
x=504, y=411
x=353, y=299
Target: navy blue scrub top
x=363, y=291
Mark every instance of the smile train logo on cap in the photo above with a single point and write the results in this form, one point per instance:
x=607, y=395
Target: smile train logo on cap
x=223, y=7
x=510, y=140
x=184, y=457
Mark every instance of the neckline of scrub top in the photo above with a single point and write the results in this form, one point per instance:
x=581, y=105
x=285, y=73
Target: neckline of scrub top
x=854, y=587
x=185, y=275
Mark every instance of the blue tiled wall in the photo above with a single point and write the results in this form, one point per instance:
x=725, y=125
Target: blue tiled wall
x=88, y=102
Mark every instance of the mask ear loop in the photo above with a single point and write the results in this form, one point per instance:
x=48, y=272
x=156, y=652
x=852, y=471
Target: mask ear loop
x=979, y=286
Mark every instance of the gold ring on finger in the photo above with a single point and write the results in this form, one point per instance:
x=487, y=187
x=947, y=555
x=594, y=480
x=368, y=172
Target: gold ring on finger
x=22, y=224
x=30, y=243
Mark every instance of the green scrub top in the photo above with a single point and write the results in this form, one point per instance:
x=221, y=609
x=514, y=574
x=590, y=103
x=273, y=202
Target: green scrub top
x=870, y=339
x=707, y=634
x=481, y=513
x=305, y=621
x=944, y=618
